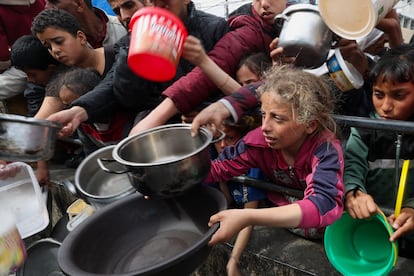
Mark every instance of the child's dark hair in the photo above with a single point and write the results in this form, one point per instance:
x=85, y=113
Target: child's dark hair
x=55, y=18
x=55, y=82
x=27, y=52
x=81, y=80
x=258, y=63
x=396, y=65
x=308, y=95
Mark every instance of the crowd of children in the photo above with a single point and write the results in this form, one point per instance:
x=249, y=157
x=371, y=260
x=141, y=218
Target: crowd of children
x=277, y=118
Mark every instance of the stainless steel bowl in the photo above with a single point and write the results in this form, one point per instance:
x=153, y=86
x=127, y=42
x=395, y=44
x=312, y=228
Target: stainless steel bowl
x=166, y=161
x=305, y=35
x=26, y=139
x=98, y=187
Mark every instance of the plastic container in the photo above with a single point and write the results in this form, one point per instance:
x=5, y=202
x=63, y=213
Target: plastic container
x=157, y=38
x=354, y=19
x=361, y=246
x=12, y=249
x=21, y=196
x=343, y=73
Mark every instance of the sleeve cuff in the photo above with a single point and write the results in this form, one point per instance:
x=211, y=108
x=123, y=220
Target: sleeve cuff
x=228, y=105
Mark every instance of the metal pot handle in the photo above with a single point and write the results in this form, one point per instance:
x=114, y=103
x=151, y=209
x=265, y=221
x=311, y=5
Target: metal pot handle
x=70, y=187
x=105, y=169
x=221, y=137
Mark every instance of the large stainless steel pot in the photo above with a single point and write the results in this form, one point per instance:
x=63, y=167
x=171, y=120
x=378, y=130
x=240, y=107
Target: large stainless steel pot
x=166, y=161
x=26, y=139
x=305, y=35
x=98, y=187
x=139, y=236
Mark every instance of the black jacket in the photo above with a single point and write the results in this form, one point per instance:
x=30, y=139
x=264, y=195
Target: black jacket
x=121, y=88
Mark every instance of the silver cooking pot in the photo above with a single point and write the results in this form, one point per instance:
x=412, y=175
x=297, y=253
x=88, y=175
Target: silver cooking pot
x=26, y=139
x=97, y=187
x=165, y=161
x=305, y=35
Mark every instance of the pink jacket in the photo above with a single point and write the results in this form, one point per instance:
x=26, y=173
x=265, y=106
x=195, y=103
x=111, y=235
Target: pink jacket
x=317, y=170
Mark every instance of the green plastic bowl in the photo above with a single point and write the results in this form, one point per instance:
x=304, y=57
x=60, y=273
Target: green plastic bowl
x=361, y=246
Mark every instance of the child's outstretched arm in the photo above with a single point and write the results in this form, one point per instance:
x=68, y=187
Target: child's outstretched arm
x=194, y=52
x=233, y=220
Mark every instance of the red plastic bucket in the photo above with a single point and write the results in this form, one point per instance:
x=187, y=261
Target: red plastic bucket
x=157, y=38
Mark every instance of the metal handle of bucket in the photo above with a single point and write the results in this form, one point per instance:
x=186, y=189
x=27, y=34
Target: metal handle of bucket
x=101, y=161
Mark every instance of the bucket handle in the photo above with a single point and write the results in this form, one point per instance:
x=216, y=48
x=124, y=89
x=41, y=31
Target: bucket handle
x=101, y=162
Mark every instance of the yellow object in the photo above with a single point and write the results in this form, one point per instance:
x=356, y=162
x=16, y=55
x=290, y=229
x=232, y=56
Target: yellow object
x=401, y=187
x=76, y=207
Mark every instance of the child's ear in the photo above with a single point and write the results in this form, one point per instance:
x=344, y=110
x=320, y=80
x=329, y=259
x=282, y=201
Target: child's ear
x=312, y=126
x=81, y=35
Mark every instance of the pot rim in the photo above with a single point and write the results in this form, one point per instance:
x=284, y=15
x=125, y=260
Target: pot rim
x=301, y=7
x=202, y=131
x=29, y=120
x=89, y=196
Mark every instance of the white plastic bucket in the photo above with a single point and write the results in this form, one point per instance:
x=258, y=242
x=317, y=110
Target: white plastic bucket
x=354, y=19
x=345, y=76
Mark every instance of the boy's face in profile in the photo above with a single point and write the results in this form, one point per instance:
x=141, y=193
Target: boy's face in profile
x=63, y=46
x=393, y=100
x=39, y=76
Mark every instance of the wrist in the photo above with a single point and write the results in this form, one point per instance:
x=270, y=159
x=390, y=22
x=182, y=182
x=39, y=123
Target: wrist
x=80, y=113
x=234, y=259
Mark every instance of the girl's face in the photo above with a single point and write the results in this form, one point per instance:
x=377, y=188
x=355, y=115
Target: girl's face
x=268, y=9
x=245, y=76
x=279, y=127
x=394, y=100
x=231, y=138
x=63, y=46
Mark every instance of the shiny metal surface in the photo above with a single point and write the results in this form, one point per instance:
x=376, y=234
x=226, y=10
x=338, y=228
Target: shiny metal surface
x=166, y=161
x=305, y=35
x=99, y=187
x=26, y=139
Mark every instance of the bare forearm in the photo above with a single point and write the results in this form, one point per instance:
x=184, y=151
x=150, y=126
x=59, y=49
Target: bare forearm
x=49, y=106
x=288, y=216
x=159, y=116
x=220, y=78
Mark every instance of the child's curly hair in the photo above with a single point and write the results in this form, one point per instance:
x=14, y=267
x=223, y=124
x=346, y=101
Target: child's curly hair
x=309, y=95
